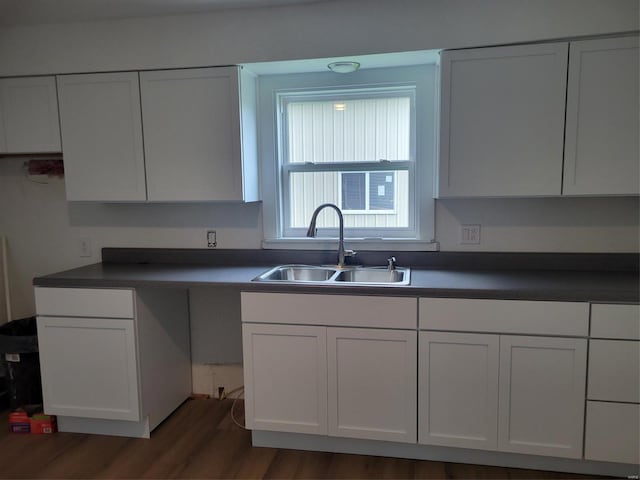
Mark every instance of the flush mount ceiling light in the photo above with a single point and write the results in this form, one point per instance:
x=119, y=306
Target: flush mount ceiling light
x=343, y=67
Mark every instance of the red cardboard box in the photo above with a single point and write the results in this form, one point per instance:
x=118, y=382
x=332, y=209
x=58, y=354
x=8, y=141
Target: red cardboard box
x=41, y=423
x=19, y=422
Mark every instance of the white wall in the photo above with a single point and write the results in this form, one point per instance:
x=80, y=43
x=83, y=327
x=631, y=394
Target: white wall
x=43, y=229
x=323, y=29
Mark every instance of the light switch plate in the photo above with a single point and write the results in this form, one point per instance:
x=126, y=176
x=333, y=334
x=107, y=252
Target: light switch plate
x=469, y=234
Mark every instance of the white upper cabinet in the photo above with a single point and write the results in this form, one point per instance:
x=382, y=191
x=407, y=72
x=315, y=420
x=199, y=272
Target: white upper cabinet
x=502, y=121
x=193, y=135
x=29, y=115
x=102, y=137
x=601, y=149
x=198, y=143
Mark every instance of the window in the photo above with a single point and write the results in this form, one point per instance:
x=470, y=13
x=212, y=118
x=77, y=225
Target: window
x=348, y=148
x=353, y=145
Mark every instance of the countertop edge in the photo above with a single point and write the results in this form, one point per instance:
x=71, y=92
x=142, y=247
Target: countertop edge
x=538, y=292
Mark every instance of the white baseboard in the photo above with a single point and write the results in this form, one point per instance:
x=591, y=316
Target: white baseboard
x=299, y=441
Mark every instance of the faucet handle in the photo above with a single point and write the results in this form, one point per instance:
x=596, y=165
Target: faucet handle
x=350, y=253
x=391, y=263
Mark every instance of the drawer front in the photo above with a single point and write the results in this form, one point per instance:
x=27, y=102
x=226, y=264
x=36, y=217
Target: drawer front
x=85, y=302
x=615, y=321
x=331, y=310
x=612, y=432
x=614, y=370
x=505, y=316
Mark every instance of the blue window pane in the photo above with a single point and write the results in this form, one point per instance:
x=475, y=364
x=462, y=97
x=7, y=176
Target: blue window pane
x=353, y=191
x=381, y=190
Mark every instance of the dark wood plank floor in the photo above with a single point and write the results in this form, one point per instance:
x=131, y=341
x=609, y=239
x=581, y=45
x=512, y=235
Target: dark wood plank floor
x=200, y=441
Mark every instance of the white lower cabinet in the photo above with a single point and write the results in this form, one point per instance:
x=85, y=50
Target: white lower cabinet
x=502, y=376
x=372, y=383
x=331, y=379
x=542, y=394
x=458, y=390
x=500, y=392
x=612, y=432
x=285, y=370
x=345, y=382
x=89, y=367
x=114, y=361
x=511, y=393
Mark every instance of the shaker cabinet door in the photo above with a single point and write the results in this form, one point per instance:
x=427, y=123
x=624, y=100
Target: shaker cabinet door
x=372, y=383
x=603, y=130
x=542, y=395
x=285, y=376
x=192, y=134
x=29, y=115
x=458, y=390
x=502, y=121
x=102, y=137
x=89, y=367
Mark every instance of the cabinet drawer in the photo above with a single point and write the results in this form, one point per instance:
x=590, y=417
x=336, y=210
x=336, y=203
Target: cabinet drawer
x=612, y=432
x=332, y=310
x=614, y=370
x=615, y=321
x=85, y=302
x=505, y=316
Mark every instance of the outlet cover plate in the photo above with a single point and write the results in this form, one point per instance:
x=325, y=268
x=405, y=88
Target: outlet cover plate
x=469, y=234
x=212, y=241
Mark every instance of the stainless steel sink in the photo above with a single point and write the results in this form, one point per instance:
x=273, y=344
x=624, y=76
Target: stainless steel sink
x=373, y=275
x=297, y=273
x=335, y=276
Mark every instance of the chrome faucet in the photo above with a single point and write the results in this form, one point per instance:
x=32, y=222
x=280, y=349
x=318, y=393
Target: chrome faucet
x=311, y=232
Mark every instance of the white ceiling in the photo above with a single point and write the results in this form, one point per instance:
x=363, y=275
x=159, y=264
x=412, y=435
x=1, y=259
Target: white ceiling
x=32, y=12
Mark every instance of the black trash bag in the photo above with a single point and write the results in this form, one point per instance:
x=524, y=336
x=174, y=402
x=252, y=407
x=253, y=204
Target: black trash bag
x=19, y=350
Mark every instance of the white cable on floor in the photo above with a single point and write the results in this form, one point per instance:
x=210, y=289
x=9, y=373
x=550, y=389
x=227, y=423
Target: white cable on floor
x=240, y=391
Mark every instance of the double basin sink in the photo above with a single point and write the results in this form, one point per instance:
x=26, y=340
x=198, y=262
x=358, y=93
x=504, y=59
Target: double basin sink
x=336, y=276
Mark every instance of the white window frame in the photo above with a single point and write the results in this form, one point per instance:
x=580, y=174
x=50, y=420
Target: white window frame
x=285, y=169
x=367, y=197
x=423, y=77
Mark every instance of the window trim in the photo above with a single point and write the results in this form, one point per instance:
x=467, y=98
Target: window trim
x=424, y=79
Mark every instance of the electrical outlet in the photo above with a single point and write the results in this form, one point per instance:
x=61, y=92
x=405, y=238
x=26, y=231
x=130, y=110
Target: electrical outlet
x=212, y=242
x=84, y=246
x=469, y=234
x=226, y=379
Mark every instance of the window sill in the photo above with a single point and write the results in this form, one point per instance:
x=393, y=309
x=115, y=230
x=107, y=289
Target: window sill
x=395, y=244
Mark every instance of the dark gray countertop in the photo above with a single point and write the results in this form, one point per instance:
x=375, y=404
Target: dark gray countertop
x=565, y=285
